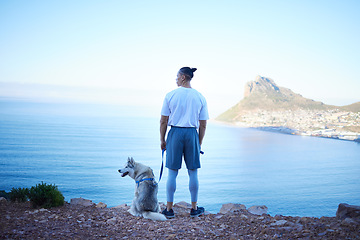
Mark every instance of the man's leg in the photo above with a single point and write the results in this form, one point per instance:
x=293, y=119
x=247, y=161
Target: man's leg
x=171, y=187
x=193, y=187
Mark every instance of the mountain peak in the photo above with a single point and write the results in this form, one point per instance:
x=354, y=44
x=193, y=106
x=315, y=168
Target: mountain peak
x=264, y=94
x=260, y=85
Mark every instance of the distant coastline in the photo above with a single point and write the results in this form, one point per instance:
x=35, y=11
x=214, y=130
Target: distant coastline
x=330, y=134
x=334, y=135
x=327, y=133
x=267, y=106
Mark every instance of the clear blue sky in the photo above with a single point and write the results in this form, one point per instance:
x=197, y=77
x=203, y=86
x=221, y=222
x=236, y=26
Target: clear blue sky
x=123, y=51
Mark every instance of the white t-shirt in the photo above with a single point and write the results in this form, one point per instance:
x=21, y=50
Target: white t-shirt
x=185, y=107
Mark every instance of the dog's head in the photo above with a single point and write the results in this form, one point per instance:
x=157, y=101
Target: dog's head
x=129, y=168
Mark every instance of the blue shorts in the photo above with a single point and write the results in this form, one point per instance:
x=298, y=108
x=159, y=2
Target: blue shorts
x=182, y=142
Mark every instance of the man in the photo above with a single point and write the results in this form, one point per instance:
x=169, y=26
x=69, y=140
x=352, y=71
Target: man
x=185, y=110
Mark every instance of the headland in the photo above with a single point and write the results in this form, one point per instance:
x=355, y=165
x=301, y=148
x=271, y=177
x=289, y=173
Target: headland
x=267, y=106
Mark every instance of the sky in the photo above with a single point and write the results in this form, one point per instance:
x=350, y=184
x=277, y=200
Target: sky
x=129, y=52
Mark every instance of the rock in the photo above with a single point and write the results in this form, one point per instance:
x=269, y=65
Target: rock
x=278, y=223
x=182, y=208
x=34, y=212
x=82, y=202
x=183, y=205
x=348, y=211
x=258, y=210
x=231, y=207
x=111, y=220
x=286, y=229
x=2, y=199
x=101, y=205
x=223, y=226
x=304, y=220
x=243, y=216
x=348, y=222
x=298, y=227
x=122, y=206
x=53, y=216
x=77, y=222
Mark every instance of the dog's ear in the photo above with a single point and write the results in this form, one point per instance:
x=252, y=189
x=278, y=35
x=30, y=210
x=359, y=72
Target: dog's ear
x=131, y=162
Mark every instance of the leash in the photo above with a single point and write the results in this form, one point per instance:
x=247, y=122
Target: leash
x=162, y=163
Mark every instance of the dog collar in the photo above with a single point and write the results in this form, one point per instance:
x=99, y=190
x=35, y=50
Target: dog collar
x=144, y=179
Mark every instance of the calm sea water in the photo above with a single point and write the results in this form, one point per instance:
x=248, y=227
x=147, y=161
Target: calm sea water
x=80, y=148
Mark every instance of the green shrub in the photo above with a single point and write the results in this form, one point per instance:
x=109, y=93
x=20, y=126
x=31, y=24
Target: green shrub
x=46, y=196
x=19, y=194
x=4, y=194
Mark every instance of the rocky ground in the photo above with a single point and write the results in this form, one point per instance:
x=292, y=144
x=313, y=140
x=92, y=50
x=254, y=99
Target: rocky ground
x=20, y=221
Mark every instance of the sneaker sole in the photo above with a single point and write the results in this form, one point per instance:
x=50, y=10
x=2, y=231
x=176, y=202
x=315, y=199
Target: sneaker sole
x=197, y=215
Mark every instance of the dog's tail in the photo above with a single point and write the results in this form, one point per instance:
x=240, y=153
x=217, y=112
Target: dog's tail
x=154, y=216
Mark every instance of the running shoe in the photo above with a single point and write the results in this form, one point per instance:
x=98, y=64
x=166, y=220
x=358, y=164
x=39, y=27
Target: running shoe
x=168, y=214
x=198, y=212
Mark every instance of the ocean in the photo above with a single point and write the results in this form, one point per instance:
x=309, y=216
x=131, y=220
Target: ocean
x=80, y=147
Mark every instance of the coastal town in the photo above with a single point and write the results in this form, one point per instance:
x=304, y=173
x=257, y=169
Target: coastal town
x=334, y=123
x=270, y=107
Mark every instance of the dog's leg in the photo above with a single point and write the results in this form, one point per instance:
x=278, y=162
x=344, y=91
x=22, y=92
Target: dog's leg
x=132, y=209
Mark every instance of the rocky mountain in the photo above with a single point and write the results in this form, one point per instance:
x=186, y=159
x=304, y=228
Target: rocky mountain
x=355, y=107
x=264, y=94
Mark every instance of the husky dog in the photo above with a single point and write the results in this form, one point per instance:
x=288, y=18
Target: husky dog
x=145, y=202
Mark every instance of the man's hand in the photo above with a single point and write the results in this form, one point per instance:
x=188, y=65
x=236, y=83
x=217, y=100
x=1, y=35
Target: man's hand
x=163, y=145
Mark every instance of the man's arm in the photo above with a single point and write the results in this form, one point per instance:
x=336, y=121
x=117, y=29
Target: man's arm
x=163, y=127
x=202, y=129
